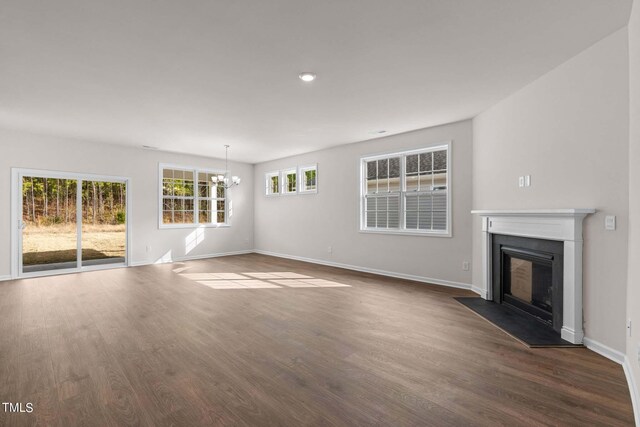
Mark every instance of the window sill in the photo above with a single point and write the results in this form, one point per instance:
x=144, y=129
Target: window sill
x=409, y=233
x=169, y=226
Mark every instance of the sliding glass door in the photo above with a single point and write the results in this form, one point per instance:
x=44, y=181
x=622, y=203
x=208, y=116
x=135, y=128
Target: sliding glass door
x=104, y=233
x=69, y=222
x=49, y=232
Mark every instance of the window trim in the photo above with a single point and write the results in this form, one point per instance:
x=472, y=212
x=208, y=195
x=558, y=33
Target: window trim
x=301, y=171
x=196, y=198
x=267, y=183
x=283, y=175
x=446, y=145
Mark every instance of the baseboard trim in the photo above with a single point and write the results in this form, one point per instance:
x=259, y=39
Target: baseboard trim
x=622, y=359
x=190, y=258
x=479, y=291
x=429, y=280
x=633, y=389
x=139, y=263
x=604, y=350
x=195, y=257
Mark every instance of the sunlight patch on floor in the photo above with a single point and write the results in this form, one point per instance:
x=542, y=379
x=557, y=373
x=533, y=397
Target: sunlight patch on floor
x=214, y=276
x=238, y=284
x=278, y=275
x=181, y=269
x=266, y=280
x=310, y=283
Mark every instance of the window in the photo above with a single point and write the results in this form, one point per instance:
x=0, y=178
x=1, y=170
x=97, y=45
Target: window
x=211, y=199
x=292, y=181
x=178, y=197
x=272, y=183
x=190, y=197
x=382, y=199
x=407, y=192
x=309, y=179
x=289, y=184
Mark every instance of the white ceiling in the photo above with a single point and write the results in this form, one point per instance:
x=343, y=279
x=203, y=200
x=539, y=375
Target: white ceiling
x=193, y=75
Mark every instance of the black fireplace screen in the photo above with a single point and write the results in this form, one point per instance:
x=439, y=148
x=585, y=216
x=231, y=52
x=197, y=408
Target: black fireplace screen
x=527, y=275
x=528, y=282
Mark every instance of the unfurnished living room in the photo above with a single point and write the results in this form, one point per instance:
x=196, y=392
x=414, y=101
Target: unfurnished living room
x=336, y=213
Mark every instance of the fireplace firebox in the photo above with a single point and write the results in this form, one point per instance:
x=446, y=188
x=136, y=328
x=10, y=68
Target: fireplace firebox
x=528, y=276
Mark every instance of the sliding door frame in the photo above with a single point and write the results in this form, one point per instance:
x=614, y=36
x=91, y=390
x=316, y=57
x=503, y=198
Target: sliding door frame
x=16, y=219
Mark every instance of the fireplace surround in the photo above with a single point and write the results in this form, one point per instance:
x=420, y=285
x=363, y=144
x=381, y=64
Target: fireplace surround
x=563, y=226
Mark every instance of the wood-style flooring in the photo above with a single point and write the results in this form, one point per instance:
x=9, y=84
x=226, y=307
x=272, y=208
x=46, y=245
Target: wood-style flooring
x=153, y=346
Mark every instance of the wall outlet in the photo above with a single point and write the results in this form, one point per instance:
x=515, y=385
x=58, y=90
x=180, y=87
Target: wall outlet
x=527, y=180
x=330, y=249
x=629, y=327
x=521, y=181
x=465, y=265
x=610, y=222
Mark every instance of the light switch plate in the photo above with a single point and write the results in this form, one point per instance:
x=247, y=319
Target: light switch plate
x=521, y=181
x=610, y=222
x=527, y=180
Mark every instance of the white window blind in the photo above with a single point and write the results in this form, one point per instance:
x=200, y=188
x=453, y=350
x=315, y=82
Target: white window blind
x=407, y=192
x=382, y=198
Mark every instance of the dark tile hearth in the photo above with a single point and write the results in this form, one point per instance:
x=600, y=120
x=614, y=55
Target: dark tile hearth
x=521, y=326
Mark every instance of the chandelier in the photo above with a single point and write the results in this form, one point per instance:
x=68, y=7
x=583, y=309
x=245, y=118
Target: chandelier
x=224, y=179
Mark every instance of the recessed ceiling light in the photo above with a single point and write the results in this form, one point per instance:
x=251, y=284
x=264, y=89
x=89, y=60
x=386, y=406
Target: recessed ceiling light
x=307, y=76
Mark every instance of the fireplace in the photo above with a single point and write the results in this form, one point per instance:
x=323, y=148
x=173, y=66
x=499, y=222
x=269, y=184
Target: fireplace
x=529, y=276
x=562, y=226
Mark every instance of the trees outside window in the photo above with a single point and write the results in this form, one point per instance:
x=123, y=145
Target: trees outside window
x=309, y=179
x=192, y=197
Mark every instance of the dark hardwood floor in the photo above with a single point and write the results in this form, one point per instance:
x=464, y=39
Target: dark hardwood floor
x=153, y=346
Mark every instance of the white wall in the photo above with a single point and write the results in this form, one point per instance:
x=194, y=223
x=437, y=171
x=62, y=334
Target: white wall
x=305, y=225
x=633, y=288
x=569, y=131
x=24, y=150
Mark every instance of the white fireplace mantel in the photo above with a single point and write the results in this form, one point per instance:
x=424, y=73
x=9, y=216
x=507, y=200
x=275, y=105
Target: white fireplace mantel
x=563, y=225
